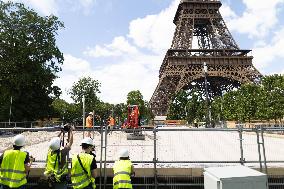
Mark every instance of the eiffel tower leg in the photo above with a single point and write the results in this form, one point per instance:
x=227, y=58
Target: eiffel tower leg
x=163, y=95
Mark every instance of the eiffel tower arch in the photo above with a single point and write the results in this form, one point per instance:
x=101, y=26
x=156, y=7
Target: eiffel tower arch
x=199, y=23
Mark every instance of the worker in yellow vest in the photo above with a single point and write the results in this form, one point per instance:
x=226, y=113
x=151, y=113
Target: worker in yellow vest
x=56, y=170
x=14, y=165
x=83, y=172
x=123, y=170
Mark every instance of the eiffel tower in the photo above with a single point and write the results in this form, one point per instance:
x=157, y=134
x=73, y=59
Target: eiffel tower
x=199, y=23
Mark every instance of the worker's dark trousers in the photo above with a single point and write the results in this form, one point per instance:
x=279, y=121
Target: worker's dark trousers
x=7, y=187
x=88, y=187
x=61, y=185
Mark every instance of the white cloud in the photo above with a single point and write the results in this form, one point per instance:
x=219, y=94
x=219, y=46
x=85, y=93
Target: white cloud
x=46, y=7
x=73, y=64
x=139, y=73
x=72, y=69
x=259, y=18
x=154, y=32
x=258, y=21
x=118, y=47
x=86, y=5
x=134, y=70
x=268, y=54
x=227, y=12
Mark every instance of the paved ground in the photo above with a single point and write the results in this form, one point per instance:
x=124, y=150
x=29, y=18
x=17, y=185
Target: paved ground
x=171, y=146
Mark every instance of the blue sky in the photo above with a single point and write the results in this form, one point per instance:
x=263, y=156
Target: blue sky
x=122, y=43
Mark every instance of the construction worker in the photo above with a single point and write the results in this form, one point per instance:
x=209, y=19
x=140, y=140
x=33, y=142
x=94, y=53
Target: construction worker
x=89, y=124
x=123, y=170
x=84, y=166
x=56, y=170
x=111, y=122
x=195, y=123
x=15, y=165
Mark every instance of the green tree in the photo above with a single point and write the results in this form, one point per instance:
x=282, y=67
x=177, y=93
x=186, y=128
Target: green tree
x=196, y=106
x=120, y=112
x=29, y=61
x=188, y=105
x=103, y=110
x=89, y=88
x=136, y=98
x=217, y=109
x=67, y=112
x=230, y=105
x=177, y=109
x=273, y=91
x=247, y=102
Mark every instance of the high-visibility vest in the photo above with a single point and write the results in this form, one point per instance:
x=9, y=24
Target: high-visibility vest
x=12, y=172
x=79, y=178
x=122, y=172
x=52, y=165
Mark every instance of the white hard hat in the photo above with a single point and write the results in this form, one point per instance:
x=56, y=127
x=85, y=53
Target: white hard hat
x=19, y=140
x=88, y=141
x=54, y=143
x=123, y=153
x=91, y=113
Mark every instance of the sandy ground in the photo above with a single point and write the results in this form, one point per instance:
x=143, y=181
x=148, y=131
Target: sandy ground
x=171, y=146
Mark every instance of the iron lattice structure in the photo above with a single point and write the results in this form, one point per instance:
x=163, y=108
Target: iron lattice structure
x=199, y=23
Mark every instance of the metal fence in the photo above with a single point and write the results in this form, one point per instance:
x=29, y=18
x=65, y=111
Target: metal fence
x=29, y=124
x=176, y=148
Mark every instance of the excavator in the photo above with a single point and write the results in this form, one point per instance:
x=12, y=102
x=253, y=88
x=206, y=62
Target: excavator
x=133, y=123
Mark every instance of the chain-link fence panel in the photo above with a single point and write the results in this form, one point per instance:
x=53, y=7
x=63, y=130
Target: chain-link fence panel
x=273, y=140
x=139, y=150
x=197, y=147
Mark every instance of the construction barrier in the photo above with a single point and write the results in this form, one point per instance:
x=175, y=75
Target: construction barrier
x=169, y=157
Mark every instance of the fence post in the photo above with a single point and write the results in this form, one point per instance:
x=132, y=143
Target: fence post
x=240, y=130
x=105, y=176
x=258, y=147
x=101, y=158
x=263, y=149
x=155, y=158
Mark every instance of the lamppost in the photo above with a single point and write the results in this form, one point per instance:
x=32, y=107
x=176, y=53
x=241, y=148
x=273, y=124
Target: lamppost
x=10, y=112
x=84, y=115
x=208, y=116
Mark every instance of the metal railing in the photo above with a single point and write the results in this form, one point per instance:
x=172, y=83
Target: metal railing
x=197, y=147
x=29, y=124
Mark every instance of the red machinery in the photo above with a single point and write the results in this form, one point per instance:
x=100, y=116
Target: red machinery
x=133, y=117
x=133, y=123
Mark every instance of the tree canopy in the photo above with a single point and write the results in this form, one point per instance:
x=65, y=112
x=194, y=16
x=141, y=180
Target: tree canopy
x=87, y=87
x=263, y=101
x=29, y=61
x=136, y=98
